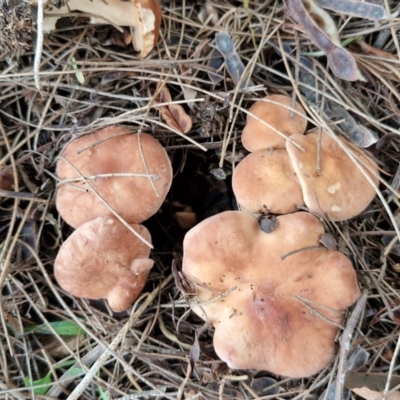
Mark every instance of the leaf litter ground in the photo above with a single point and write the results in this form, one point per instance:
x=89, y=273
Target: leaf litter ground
x=57, y=346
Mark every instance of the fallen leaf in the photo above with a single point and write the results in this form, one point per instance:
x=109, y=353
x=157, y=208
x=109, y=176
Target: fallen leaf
x=174, y=114
x=376, y=61
x=358, y=358
x=371, y=386
x=359, y=46
x=6, y=179
x=186, y=219
x=144, y=17
x=369, y=394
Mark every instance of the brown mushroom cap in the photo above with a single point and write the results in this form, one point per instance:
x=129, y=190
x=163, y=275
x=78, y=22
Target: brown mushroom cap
x=103, y=259
x=112, y=151
x=258, y=136
x=266, y=179
x=263, y=323
x=340, y=189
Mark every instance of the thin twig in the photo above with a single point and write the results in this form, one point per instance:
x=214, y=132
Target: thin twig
x=39, y=43
x=345, y=345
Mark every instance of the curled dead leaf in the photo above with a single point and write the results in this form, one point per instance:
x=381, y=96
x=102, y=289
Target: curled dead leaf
x=371, y=386
x=376, y=61
x=174, y=114
x=142, y=16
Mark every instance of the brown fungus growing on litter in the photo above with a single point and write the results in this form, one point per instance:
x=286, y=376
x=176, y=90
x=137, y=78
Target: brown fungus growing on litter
x=277, y=112
x=104, y=259
x=336, y=187
x=266, y=180
x=275, y=299
x=130, y=172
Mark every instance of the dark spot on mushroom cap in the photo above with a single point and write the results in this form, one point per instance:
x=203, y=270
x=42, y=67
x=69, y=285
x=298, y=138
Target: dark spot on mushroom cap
x=267, y=223
x=328, y=241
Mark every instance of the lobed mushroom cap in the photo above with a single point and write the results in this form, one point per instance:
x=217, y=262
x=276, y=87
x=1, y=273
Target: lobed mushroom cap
x=112, y=151
x=264, y=323
x=266, y=180
x=104, y=259
x=257, y=136
x=339, y=189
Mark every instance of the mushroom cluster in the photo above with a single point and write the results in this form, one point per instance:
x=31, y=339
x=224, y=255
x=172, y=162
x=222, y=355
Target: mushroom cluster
x=287, y=169
x=276, y=299
x=110, y=181
x=275, y=296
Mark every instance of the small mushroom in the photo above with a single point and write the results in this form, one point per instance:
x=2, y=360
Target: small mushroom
x=277, y=112
x=104, y=259
x=336, y=187
x=275, y=299
x=131, y=172
x=266, y=179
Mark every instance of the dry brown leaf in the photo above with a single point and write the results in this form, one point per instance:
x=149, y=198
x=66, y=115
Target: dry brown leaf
x=360, y=46
x=369, y=394
x=142, y=16
x=186, y=219
x=174, y=114
x=6, y=180
x=376, y=61
x=371, y=386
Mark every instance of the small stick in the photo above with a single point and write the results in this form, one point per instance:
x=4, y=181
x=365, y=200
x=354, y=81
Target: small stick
x=226, y=378
x=345, y=345
x=391, y=369
x=39, y=44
